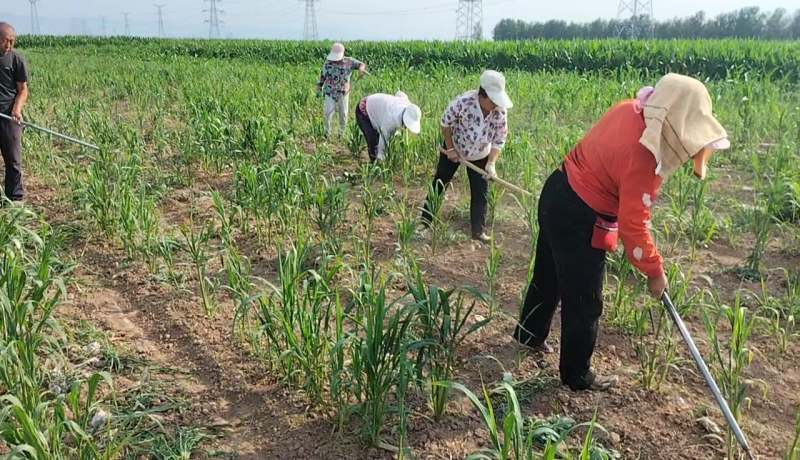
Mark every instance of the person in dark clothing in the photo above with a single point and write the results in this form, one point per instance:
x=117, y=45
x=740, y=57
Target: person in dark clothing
x=604, y=189
x=474, y=127
x=13, y=96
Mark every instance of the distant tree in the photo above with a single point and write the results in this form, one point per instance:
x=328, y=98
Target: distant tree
x=477, y=32
x=750, y=22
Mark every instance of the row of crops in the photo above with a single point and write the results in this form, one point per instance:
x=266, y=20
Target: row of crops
x=705, y=58
x=301, y=253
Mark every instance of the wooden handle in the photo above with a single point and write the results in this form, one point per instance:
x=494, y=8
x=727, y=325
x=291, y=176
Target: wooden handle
x=494, y=178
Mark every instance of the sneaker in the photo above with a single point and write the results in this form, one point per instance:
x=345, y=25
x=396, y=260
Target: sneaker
x=482, y=237
x=604, y=383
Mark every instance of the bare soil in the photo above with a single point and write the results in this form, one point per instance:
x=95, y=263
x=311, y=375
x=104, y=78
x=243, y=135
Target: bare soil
x=263, y=419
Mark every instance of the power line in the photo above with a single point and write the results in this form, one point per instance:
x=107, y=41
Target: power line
x=427, y=9
x=34, y=17
x=127, y=24
x=213, y=19
x=635, y=19
x=469, y=20
x=310, y=24
x=161, y=32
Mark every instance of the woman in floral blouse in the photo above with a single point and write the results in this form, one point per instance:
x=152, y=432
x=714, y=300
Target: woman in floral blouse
x=474, y=126
x=334, y=84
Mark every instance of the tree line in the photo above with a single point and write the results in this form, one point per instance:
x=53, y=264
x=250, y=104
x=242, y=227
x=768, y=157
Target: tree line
x=750, y=22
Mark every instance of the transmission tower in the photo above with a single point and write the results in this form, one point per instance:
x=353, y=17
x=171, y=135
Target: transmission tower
x=635, y=19
x=127, y=24
x=103, y=27
x=469, y=22
x=213, y=18
x=160, y=21
x=34, y=17
x=310, y=24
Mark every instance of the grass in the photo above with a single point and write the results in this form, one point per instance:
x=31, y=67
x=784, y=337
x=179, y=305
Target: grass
x=228, y=203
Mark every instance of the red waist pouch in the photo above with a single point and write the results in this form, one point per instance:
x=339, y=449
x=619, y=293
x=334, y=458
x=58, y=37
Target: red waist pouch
x=605, y=235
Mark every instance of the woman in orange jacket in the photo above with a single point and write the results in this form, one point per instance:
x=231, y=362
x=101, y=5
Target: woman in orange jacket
x=606, y=187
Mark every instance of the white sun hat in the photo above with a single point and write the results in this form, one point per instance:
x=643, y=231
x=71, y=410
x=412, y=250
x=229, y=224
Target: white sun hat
x=411, y=118
x=494, y=83
x=337, y=52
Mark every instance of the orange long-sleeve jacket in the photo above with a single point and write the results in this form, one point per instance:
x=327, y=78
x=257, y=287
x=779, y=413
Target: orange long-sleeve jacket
x=615, y=175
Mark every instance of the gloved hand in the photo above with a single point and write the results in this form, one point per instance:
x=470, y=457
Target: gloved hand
x=490, y=171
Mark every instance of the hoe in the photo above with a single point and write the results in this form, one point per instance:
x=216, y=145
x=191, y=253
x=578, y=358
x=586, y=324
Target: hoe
x=707, y=375
x=31, y=125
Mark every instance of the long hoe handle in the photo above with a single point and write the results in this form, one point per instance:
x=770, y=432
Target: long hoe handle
x=707, y=375
x=496, y=179
x=62, y=136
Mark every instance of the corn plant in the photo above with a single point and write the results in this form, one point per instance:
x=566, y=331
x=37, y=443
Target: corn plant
x=493, y=202
x=295, y=319
x=330, y=203
x=653, y=339
x=492, y=267
x=405, y=226
x=793, y=451
x=703, y=225
x=437, y=225
x=196, y=245
x=373, y=203
x=777, y=315
x=338, y=382
x=762, y=223
x=32, y=290
x=443, y=319
x=622, y=310
x=512, y=437
x=355, y=140
x=729, y=360
x=380, y=348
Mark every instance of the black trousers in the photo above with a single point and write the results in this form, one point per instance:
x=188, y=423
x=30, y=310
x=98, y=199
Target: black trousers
x=567, y=269
x=370, y=134
x=478, y=188
x=11, y=148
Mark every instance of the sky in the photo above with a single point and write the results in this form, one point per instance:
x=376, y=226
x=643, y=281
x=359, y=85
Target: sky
x=336, y=19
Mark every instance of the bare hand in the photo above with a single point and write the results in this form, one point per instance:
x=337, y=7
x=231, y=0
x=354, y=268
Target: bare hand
x=658, y=286
x=361, y=73
x=453, y=155
x=17, y=116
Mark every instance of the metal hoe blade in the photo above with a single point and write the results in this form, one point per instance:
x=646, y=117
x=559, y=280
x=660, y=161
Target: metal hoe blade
x=707, y=375
x=31, y=125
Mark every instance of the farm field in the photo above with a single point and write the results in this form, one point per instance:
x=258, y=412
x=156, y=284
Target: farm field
x=224, y=281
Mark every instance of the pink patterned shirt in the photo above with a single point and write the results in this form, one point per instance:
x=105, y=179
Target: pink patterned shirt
x=473, y=135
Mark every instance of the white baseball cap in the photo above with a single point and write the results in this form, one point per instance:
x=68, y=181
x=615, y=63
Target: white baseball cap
x=337, y=52
x=494, y=83
x=411, y=118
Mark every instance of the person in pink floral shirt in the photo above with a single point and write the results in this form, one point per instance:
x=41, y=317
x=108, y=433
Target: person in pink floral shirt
x=474, y=126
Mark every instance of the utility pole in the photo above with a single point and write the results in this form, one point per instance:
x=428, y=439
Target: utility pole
x=213, y=18
x=160, y=21
x=84, y=28
x=127, y=24
x=34, y=17
x=635, y=19
x=469, y=19
x=103, y=28
x=310, y=24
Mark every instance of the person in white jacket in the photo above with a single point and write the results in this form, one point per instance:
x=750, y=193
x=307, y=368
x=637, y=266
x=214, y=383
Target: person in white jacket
x=380, y=116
